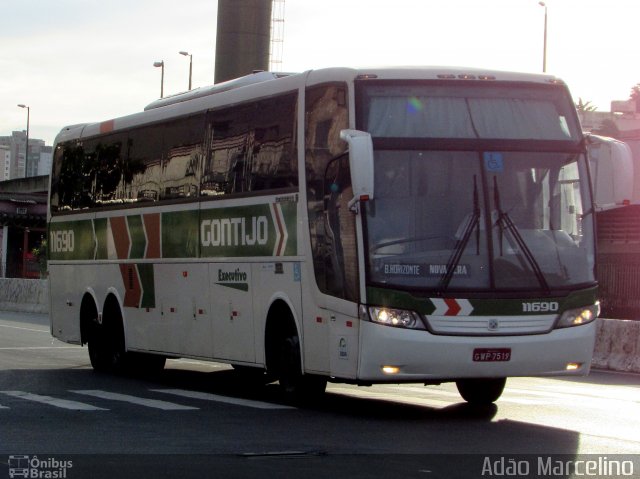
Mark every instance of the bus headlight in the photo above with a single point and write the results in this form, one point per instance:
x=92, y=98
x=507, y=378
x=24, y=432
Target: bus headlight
x=578, y=316
x=400, y=318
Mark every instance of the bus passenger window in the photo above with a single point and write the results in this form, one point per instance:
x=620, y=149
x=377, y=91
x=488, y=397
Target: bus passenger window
x=251, y=147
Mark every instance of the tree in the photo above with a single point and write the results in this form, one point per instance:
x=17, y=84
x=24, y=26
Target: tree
x=584, y=107
x=635, y=95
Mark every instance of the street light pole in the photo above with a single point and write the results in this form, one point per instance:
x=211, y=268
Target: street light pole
x=544, y=48
x=190, y=55
x=26, y=154
x=160, y=64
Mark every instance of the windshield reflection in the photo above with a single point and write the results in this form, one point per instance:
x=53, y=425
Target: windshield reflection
x=450, y=220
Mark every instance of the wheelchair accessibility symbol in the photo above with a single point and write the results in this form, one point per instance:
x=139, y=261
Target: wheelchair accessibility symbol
x=493, y=162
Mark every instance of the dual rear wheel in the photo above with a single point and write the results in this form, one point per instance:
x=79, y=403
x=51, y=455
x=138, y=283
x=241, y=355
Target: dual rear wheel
x=107, y=351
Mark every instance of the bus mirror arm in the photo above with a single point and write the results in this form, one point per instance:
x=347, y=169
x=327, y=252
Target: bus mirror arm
x=360, y=165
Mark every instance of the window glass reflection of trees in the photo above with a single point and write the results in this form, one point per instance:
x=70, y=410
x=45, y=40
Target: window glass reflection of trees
x=242, y=149
x=331, y=224
x=251, y=147
x=92, y=172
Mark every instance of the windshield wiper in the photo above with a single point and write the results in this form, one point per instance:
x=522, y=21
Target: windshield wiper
x=505, y=223
x=461, y=244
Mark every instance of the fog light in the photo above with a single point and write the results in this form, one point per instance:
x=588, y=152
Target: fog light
x=390, y=369
x=573, y=366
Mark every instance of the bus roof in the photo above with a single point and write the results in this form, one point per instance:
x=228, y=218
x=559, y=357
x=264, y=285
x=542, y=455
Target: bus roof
x=264, y=84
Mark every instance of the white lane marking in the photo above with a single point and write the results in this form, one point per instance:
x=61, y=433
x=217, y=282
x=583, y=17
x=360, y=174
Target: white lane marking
x=61, y=403
x=25, y=348
x=224, y=399
x=153, y=403
x=26, y=329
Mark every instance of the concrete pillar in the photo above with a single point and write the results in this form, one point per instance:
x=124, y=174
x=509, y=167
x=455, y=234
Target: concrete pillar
x=243, y=38
x=4, y=237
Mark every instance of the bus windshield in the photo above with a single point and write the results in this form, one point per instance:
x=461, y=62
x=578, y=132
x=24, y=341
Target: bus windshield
x=474, y=218
x=492, y=111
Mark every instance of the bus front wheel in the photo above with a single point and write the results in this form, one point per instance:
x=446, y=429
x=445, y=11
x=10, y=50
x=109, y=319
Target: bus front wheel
x=481, y=391
x=295, y=384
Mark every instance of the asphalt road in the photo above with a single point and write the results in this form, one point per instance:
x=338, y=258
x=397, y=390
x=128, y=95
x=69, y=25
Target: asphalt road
x=197, y=419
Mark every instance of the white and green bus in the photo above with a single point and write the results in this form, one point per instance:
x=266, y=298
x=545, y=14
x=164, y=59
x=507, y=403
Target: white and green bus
x=370, y=226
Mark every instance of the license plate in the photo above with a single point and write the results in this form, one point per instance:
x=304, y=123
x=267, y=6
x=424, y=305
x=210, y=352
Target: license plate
x=491, y=354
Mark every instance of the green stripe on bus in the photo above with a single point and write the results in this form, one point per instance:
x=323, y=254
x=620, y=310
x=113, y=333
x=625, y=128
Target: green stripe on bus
x=257, y=230
x=481, y=307
x=71, y=240
x=100, y=227
x=180, y=234
x=146, y=273
x=138, y=240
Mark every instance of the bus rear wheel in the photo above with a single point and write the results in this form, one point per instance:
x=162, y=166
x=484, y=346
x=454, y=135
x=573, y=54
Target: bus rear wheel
x=481, y=391
x=106, y=349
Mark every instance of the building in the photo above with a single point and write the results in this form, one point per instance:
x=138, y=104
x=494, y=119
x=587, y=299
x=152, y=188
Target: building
x=39, y=159
x=5, y=162
x=23, y=215
x=42, y=161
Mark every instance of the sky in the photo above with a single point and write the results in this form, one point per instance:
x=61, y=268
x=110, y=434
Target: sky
x=78, y=61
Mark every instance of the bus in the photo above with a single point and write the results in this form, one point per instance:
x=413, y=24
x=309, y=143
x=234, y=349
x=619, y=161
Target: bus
x=387, y=225
x=616, y=195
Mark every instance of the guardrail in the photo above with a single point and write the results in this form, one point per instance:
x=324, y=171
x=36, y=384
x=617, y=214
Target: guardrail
x=617, y=342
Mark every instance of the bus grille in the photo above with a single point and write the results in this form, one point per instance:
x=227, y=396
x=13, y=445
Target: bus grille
x=491, y=325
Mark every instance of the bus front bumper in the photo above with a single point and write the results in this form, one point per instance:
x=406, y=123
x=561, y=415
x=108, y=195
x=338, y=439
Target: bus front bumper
x=390, y=354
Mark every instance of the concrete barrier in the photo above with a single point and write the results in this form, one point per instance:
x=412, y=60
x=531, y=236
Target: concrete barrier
x=25, y=295
x=617, y=345
x=617, y=342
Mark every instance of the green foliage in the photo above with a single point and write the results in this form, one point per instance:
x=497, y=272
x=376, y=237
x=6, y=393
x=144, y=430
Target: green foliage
x=40, y=254
x=582, y=106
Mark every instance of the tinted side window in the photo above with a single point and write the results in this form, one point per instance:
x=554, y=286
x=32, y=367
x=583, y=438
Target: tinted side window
x=165, y=159
x=67, y=178
x=331, y=224
x=182, y=161
x=251, y=147
x=89, y=173
x=145, y=156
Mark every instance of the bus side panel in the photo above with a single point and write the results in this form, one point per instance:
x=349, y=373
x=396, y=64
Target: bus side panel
x=68, y=284
x=65, y=300
x=232, y=311
x=275, y=281
x=344, y=338
x=175, y=317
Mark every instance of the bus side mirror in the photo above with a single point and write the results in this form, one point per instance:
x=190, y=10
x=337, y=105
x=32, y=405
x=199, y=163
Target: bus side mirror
x=360, y=164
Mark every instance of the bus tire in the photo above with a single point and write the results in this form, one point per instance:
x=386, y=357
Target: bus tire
x=296, y=385
x=105, y=352
x=106, y=341
x=283, y=357
x=481, y=391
